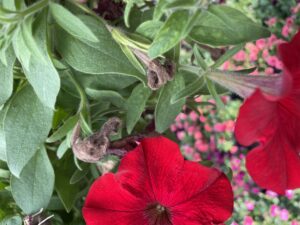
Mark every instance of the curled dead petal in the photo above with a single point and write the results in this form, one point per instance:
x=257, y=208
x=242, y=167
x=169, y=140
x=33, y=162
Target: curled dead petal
x=94, y=147
x=272, y=86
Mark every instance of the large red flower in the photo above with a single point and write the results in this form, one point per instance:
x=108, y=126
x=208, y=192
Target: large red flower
x=156, y=186
x=275, y=124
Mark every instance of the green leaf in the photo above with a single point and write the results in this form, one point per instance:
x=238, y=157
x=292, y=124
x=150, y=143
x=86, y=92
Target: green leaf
x=26, y=32
x=164, y=5
x=105, y=57
x=165, y=111
x=62, y=148
x=71, y=23
x=64, y=129
x=136, y=105
x=149, y=28
x=212, y=90
x=67, y=192
x=229, y=53
x=108, y=96
x=33, y=190
x=15, y=220
x=6, y=76
x=26, y=127
x=3, y=156
x=78, y=175
x=173, y=31
x=21, y=50
x=222, y=25
x=189, y=90
x=42, y=75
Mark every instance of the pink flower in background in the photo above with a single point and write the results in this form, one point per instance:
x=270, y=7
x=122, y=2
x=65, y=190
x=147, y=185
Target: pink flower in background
x=196, y=157
x=207, y=127
x=180, y=135
x=271, y=194
x=270, y=22
x=234, y=223
x=188, y=150
x=289, y=194
x=284, y=215
x=285, y=30
x=250, y=205
x=248, y=221
x=294, y=222
x=265, y=54
x=193, y=116
x=219, y=127
x=289, y=21
x=274, y=210
x=202, y=119
x=234, y=149
x=272, y=60
x=269, y=71
x=240, y=56
x=261, y=43
x=254, y=50
x=198, y=135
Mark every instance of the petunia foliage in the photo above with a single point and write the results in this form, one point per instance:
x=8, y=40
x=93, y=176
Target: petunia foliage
x=89, y=90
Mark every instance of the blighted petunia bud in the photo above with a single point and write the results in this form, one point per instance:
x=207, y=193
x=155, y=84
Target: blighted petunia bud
x=94, y=147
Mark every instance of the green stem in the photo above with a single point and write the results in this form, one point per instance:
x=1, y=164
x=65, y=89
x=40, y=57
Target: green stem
x=83, y=106
x=34, y=8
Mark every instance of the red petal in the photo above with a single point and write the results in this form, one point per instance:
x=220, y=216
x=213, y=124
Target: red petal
x=205, y=196
x=154, y=166
x=275, y=166
x=107, y=217
x=257, y=118
x=107, y=200
x=290, y=56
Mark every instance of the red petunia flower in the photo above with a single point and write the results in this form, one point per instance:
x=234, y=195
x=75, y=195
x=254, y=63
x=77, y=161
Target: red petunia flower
x=156, y=186
x=275, y=124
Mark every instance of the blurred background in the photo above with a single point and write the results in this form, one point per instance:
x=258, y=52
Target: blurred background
x=206, y=134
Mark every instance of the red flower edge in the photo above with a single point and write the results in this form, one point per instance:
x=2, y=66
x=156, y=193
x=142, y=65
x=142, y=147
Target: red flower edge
x=275, y=124
x=154, y=185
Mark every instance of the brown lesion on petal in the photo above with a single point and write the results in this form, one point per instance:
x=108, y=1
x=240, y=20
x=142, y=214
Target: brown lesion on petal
x=94, y=147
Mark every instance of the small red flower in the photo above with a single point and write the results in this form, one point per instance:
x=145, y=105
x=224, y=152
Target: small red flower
x=275, y=124
x=156, y=186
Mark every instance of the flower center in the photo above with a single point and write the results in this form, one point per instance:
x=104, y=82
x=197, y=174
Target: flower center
x=158, y=214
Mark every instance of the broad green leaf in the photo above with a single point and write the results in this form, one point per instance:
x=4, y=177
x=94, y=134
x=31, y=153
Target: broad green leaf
x=222, y=25
x=164, y=5
x=136, y=105
x=165, y=111
x=26, y=32
x=33, y=190
x=104, y=57
x=21, y=50
x=6, y=76
x=15, y=220
x=71, y=23
x=173, y=31
x=67, y=192
x=42, y=75
x=106, y=96
x=149, y=28
x=64, y=129
x=3, y=156
x=26, y=127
